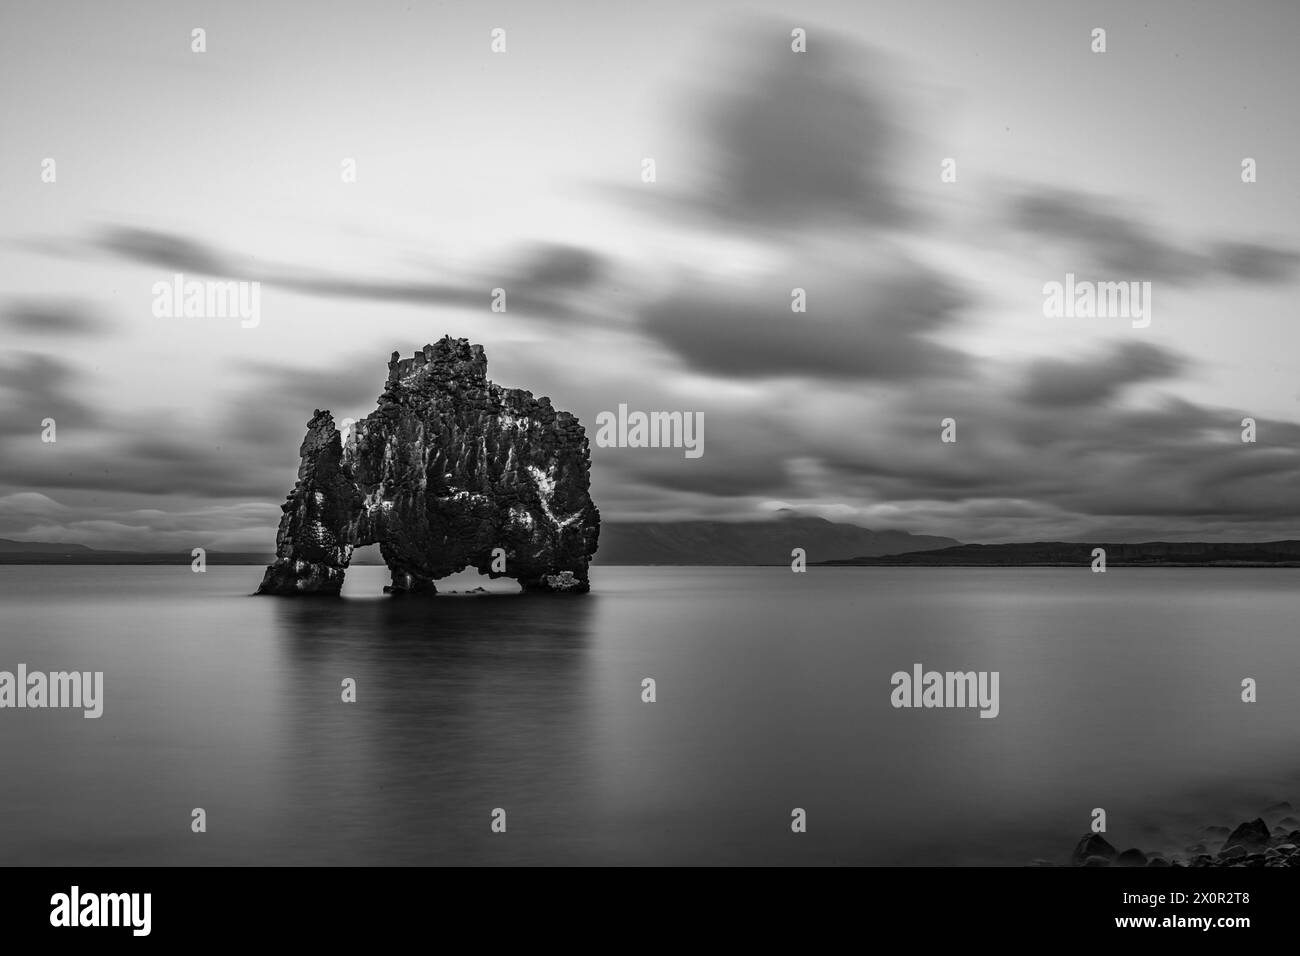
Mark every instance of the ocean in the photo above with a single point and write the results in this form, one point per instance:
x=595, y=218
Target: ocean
x=1120, y=691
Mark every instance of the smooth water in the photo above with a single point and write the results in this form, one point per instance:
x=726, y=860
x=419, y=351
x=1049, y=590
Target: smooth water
x=1120, y=691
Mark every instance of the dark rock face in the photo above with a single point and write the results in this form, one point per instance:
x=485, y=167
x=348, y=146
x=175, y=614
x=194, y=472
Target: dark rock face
x=317, y=531
x=1131, y=857
x=1252, y=834
x=1092, y=845
x=447, y=470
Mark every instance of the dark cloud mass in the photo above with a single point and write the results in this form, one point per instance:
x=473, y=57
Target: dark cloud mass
x=51, y=319
x=853, y=328
x=1091, y=382
x=35, y=386
x=800, y=138
x=169, y=251
x=538, y=279
x=1177, y=467
x=1255, y=262
x=556, y=266
x=1118, y=241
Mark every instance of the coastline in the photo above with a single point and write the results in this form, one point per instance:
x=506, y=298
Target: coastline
x=1270, y=840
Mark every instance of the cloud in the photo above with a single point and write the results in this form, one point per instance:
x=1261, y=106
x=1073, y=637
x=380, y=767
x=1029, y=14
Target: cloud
x=35, y=386
x=1255, y=262
x=115, y=460
x=228, y=527
x=539, y=279
x=1021, y=470
x=1118, y=242
x=269, y=391
x=1097, y=380
x=560, y=266
x=50, y=319
x=800, y=137
x=247, y=452
x=171, y=251
x=30, y=504
x=781, y=141
x=872, y=318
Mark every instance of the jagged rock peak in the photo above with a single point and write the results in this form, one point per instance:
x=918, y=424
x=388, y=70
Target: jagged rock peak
x=450, y=360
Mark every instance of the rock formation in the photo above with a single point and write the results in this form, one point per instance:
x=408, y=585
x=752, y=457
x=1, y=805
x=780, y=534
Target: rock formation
x=447, y=470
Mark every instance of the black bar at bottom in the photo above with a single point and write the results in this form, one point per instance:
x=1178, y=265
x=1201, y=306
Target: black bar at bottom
x=796, y=906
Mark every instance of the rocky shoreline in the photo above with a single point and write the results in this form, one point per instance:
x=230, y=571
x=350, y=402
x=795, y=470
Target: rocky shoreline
x=1270, y=840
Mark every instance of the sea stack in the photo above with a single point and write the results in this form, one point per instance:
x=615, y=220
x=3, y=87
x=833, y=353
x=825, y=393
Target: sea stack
x=450, y=471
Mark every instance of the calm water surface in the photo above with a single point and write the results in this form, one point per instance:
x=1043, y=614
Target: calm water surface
x=1119, y=691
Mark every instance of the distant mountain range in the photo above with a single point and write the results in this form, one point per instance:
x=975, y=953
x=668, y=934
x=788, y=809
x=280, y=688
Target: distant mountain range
x=632, y=543
x=47, y=552
x=748, y=543
x=41, y=547
x=1279, y=554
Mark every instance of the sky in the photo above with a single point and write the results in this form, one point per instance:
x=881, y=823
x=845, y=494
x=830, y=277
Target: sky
x=774, y=170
